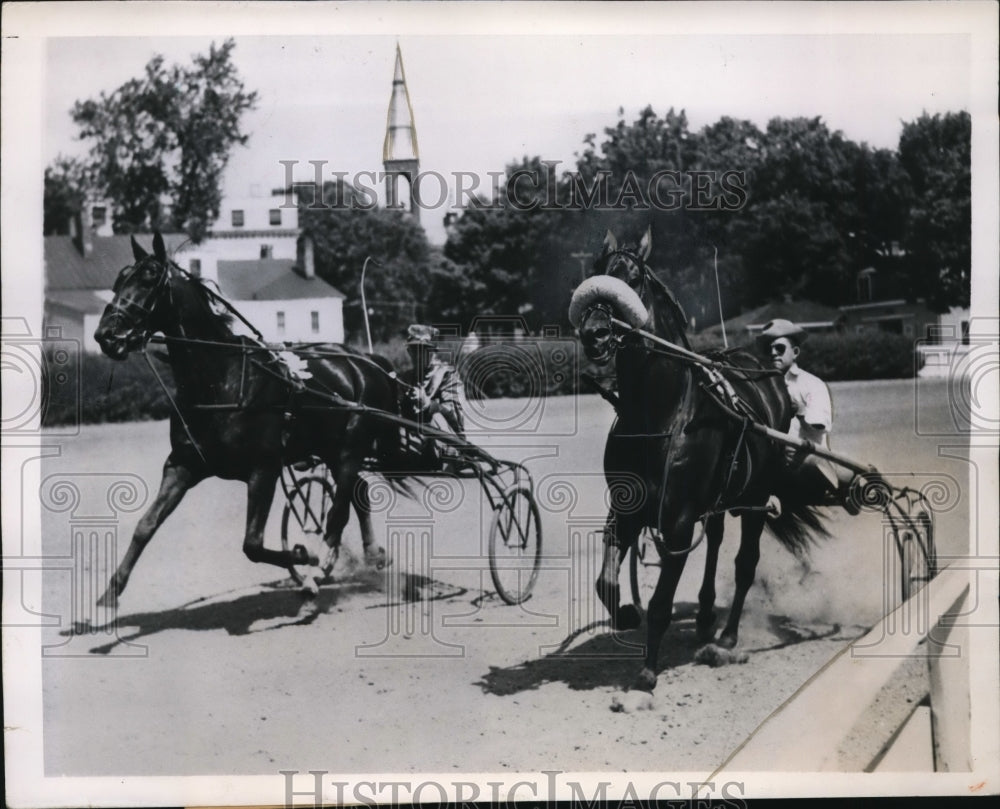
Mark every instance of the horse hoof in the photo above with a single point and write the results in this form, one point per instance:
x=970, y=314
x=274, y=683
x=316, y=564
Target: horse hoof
x=377, y=559
x=301, y=556
x=332, y=556
x=726, y=641
x=646, y=681
x=310, y=589
x=628, y=617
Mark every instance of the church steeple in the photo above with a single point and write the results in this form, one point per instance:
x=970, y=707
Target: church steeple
x=400, y=155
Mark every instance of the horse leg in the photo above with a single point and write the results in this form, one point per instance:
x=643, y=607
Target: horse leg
x=661, y=605
x=619, y=536
x=176, y=481
x=260, y=494
x=752, y=524
x=706, y=596
x=361, y=500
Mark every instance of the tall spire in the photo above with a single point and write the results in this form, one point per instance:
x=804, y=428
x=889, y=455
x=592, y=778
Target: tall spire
x=400, y=133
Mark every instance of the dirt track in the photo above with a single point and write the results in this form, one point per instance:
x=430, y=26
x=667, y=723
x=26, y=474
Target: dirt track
x=213, y=670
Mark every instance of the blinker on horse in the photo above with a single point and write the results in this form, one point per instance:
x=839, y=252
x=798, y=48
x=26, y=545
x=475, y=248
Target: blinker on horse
x=675, y=453
x=240, y=415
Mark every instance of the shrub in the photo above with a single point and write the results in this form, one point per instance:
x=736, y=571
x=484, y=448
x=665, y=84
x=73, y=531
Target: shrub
x=109, y=391
x=835, y=357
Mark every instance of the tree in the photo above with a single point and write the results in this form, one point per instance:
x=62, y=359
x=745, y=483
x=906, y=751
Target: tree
x=162, y=141
x=344, y=234
x=67, y=182
x=935, y=151
x=515, y=258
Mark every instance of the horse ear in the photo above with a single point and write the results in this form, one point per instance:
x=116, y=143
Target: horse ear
x=646, y=244
x=159, y=249
x=610, y=243
x=137, y=252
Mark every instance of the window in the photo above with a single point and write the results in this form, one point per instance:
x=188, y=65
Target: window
x=281, y=323
x=965, y=332
x=315, y=322
x=237, y=219
x=275, y=215
x=98, y=215
x=266, y=251
x=194, y=267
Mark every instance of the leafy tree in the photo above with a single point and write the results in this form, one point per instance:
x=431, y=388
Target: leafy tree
x=515, y=259
x=162, y=141
x=344, y=235
x=67, y=182
x=935, y=151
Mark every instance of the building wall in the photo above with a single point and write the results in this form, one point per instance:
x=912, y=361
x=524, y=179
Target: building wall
x=297, y=319
x=899, y=317
x=229, y=242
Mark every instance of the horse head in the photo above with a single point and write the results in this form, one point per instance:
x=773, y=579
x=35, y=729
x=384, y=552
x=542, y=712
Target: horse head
x=625, y=290
x=135, y=311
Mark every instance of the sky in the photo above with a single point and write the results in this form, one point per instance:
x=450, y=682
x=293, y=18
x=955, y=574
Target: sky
x=481, y=101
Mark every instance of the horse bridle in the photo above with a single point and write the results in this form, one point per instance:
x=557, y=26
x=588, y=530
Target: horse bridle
x=121, y=309
x=606, y=309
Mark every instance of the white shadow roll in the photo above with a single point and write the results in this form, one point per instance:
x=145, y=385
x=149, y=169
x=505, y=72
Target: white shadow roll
x=619, y=295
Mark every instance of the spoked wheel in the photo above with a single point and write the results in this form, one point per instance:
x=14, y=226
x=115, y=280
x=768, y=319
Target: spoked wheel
x=303, y=524
x=917, y=554
x=515, y=544
x=643, y=568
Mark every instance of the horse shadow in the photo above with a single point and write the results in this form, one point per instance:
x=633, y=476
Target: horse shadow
x=613, y=659
x=275, y=606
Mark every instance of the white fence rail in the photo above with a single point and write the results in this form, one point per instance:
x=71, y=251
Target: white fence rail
x=806, y=733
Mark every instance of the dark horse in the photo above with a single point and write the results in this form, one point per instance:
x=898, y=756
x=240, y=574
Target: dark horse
x=690, y=460
x=240, y=412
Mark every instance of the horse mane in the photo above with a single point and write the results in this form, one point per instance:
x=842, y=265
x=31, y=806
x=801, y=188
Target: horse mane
x=674, y=310
x=204, y=298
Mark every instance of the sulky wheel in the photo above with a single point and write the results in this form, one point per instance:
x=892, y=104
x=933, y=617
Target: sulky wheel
x=303, y=523
x=515, y=544
x=917, y=554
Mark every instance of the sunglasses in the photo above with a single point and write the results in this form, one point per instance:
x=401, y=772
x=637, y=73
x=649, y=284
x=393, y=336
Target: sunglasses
x=780, y=348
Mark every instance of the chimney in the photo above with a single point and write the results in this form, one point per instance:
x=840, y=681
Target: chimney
x=307, y=260
x=80, y=233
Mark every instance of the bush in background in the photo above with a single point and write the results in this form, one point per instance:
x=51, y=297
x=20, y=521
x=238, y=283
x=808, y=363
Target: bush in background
x=841, y=357
x=109, y=391
x=510, y=369
x=874, y=355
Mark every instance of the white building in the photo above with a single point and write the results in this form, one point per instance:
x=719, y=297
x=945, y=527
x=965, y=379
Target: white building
x=254, y=252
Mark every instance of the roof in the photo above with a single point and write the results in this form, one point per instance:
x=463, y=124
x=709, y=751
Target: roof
x=67, y=268
x=270, y=280
x=804, y=313
x=82, y=301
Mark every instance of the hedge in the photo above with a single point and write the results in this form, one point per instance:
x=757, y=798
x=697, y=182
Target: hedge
x=98, y=389
x=514, y=368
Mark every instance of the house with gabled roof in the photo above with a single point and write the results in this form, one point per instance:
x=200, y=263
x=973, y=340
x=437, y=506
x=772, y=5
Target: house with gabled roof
x=254, y=252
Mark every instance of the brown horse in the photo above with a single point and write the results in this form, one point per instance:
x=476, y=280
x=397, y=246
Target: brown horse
x=694, y=461
x=240, y=412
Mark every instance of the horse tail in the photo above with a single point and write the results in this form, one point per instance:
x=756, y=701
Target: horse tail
x=798, y=527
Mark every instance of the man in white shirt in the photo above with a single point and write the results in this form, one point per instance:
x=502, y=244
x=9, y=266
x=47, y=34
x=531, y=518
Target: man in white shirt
x=819, y=480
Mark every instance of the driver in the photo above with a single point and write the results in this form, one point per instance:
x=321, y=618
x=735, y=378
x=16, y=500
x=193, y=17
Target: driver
x=438, y=392
x=819, y=480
